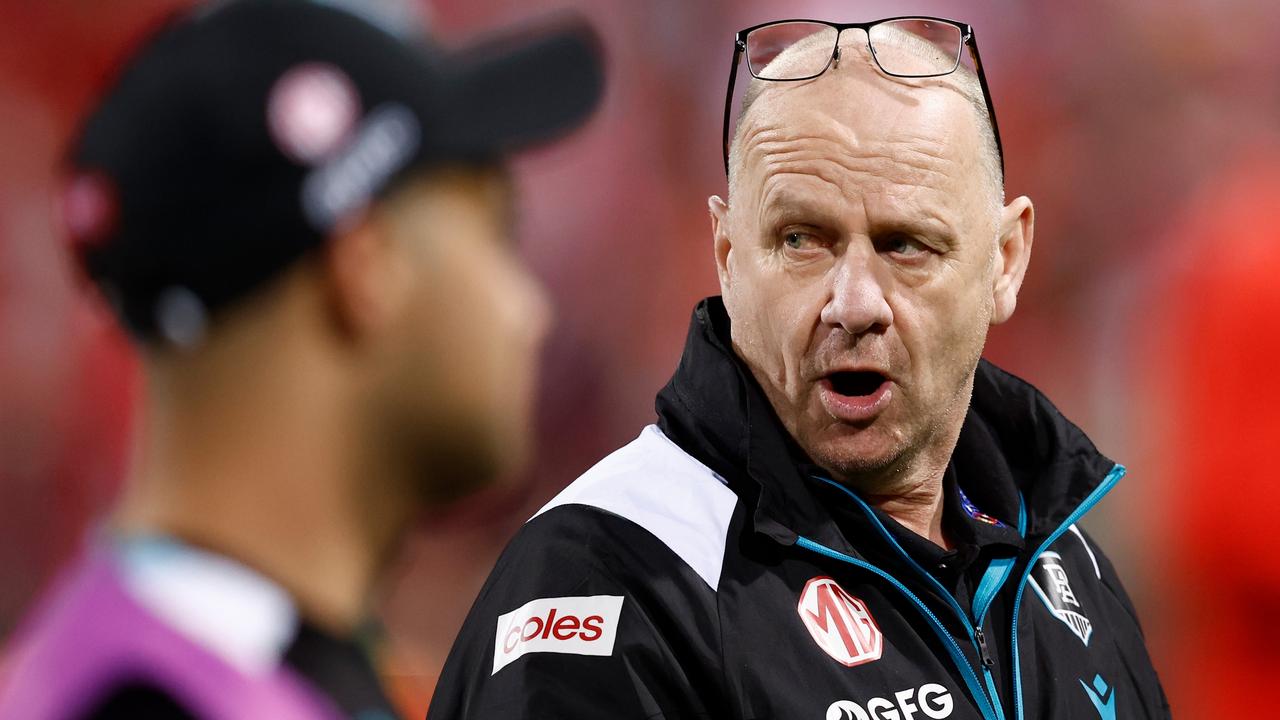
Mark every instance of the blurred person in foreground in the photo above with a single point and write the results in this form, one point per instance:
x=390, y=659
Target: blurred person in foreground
x=303, y=218
x=843, y=512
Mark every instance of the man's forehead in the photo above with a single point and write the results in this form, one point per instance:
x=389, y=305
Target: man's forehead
x=859, y=108
x=921, y=132
x=788, y=197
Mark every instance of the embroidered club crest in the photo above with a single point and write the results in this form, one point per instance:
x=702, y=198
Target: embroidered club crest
x=1049, y=581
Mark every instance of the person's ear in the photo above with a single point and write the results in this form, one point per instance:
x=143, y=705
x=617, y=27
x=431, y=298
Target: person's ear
x=1013, y=253
x=367, y=278
x=719, y=211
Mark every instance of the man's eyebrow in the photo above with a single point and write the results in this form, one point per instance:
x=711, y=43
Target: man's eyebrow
x=925, y=225
x=921, y=224
x=790, y=204
x=785, y=203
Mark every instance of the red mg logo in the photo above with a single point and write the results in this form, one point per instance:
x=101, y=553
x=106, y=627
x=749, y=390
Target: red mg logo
x=839, y=623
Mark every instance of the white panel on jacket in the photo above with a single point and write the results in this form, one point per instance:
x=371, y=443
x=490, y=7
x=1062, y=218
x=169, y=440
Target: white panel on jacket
x=653, y=483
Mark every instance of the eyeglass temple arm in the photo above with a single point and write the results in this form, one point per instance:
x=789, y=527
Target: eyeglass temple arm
x=738, y=46
x=971, y=41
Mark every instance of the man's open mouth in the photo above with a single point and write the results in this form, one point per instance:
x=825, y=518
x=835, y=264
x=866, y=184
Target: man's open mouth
x=858, y=383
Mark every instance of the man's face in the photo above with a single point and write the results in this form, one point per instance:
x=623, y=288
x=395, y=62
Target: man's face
x=463, y=355
x=857, y=258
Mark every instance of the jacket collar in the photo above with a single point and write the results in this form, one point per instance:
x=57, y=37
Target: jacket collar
x=1013, y=442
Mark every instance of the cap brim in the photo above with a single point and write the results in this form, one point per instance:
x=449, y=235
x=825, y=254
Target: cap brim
x=514, y=92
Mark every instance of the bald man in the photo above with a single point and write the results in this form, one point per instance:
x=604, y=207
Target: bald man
x=842, y=511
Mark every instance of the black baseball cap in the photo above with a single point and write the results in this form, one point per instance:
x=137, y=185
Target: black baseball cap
x=243, y=132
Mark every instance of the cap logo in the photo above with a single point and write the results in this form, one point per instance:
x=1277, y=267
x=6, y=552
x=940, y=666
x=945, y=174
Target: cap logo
x=311, y=110
x=383, y=145
x=89, y=209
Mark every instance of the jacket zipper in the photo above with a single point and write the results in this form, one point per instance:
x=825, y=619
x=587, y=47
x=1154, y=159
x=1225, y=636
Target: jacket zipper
x=948, y=641
x=997, y=574
x=1113, y=477
x=983, y=655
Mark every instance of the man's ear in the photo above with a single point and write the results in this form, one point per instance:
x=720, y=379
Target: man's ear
x=1013, y=253
x=366, y=277
x=719, y=210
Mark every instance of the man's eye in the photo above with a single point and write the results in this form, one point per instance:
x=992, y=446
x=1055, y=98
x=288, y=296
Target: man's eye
x=799, y=240
x=903, y=245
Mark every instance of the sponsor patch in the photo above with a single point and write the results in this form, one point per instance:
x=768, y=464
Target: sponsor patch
x=570, y=625
x=972, y=511
x=931, y=700
x=840, y=623
x=1049, y=580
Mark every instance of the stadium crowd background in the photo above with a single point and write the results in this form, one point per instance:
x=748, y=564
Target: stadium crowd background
x=1147, y=132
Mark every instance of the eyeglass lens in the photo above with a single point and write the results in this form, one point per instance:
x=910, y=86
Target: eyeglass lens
x=911, y=47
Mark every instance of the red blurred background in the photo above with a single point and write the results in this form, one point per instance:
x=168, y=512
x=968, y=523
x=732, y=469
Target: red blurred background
x=1146, y=132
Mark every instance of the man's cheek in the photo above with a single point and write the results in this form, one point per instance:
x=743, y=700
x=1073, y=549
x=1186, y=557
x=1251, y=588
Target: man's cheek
x=796, y=357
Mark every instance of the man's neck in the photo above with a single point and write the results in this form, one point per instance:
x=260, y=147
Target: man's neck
x=919, y=510
x=267, y=476
x=912, y=491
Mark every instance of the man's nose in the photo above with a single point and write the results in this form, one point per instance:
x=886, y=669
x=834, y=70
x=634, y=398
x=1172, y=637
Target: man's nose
x=857, y=303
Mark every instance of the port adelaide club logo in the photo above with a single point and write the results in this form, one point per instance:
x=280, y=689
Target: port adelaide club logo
x=1050, y=582
x=840, y=623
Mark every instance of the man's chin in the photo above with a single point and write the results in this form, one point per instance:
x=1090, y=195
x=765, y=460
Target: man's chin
x=453, y=480
x=850, y=452
x=461, y=463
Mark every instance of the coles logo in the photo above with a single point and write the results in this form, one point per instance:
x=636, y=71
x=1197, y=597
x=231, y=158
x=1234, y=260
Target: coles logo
x=570, y=625
x=840, y=623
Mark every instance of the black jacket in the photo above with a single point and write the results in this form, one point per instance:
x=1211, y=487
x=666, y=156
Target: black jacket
x=707, y=571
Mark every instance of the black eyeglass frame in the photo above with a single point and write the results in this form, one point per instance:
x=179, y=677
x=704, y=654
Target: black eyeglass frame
x=967, y=35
